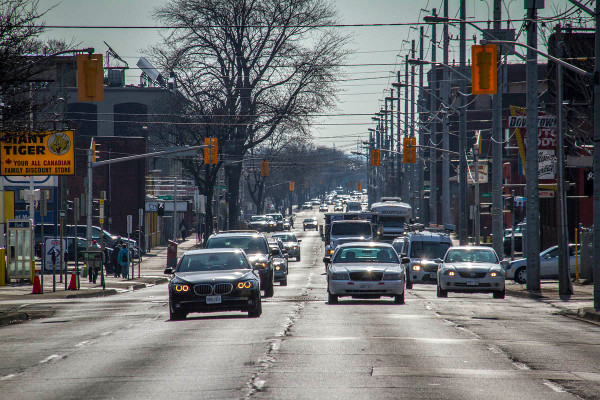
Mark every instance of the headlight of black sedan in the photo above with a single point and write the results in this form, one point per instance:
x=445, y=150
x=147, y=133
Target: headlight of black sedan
x=249, y=284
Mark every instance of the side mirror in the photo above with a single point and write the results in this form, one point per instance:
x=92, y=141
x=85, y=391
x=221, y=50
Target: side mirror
x=300, y=241
x=169, y=271
x=505, y=263
x=274, y=253
x=405, y=260
x=438, y=261
x=327, y=259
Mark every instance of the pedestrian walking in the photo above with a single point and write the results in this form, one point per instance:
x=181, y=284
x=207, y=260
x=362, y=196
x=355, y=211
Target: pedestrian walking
x=114, y=258
x=94, y=267
x=124, y=257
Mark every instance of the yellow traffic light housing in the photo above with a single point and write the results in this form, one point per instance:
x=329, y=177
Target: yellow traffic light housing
x=292, y=186
x=265, y=168
x=90, y=77
x=359, y=186
x=409, y=150
x=375, y=158
x=484, y=69
x=211, y=154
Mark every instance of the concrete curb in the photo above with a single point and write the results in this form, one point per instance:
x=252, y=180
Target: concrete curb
x=589, y=313
x=13, y=317
x=525, y=294
x=95, y=293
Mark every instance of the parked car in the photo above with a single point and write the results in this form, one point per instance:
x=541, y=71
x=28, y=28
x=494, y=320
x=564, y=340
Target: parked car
x=471, y=269
x=310, y=223
x=517, y=270
x=257, y=249
x=211, y=280
x=519, y=230
x=365, y=270
x=291, y=244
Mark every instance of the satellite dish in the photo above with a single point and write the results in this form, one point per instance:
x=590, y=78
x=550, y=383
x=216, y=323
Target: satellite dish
x=151, y=72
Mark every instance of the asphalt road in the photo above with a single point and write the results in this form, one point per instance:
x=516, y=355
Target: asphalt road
x=464, y=347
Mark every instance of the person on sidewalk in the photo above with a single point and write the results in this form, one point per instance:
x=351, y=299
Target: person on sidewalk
x=124, y=257
x=93, y=270
x=114, y=258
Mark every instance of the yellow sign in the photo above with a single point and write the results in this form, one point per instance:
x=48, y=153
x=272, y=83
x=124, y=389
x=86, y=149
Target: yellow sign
x=47, y=153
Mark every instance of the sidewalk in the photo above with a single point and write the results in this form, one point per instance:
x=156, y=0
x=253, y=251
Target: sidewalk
x=569, y=305
x=151, y=273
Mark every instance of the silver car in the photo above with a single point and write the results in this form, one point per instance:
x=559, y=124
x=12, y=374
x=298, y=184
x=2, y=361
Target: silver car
x=517, y=269
x=291, y=244
x=471, y=269
x=365, y=270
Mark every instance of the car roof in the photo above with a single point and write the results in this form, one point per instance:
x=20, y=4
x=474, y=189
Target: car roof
x=429, y=236
x=212, y=251
x=365, y=244
x=234, y=234
x=471, y=248
x=352, y=221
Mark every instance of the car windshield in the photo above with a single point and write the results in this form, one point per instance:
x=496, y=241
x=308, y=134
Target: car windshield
x=212, y=262
x=354, y=229
x=275, y=249
x=250, y=244
x=309, y=220
x=286, y=238
x=429, y=250
x=471, y=255
x=392, y=222
x=366, y=254
x=276, y=217
x=258, y=218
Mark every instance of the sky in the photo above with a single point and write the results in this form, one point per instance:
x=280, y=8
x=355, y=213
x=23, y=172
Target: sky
x=377, y=52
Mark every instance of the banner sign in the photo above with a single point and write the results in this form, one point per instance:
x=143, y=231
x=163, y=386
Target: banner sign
x=46, y=153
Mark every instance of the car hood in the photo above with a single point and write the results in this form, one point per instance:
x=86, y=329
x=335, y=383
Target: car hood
x=473, y=267
x=352, y=267
x=211, y=276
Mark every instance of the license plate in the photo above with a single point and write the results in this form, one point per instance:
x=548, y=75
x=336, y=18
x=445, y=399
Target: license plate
x=363, y=286
x=213, y=299
x=472, y=282
x=433, y=275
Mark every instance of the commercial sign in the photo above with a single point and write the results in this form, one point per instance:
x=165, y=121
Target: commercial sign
x=546, y=142
x=483, y=173
x=46, y=153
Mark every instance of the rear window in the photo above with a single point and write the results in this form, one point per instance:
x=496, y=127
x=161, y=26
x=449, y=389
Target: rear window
x=366, y=254
x=354, y=229
x=250, y=244
x=428, y=249
x=286, y=238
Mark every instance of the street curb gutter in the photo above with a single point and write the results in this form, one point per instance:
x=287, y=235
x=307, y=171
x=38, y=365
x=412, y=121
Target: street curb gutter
x=527, y=295
x=99, y=293
x=14, y=317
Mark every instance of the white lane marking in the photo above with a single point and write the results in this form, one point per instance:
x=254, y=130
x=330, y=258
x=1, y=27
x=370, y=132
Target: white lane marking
x=82, y=343
x=521, y=366
x=106, y=333
x=554, y=386
x=53, y=357
x=7, y=377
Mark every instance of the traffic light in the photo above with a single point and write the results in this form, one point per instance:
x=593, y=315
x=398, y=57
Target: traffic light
x=359, y=186
x=90, y=77
x=508, y=203
x=95, y=152
x=211, y=154
x=409, y=150
x=484, y=75
x=264, y=168
x=292, y=186
x=375, y=158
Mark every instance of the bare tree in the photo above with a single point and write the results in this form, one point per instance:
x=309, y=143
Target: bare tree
x=262, y=63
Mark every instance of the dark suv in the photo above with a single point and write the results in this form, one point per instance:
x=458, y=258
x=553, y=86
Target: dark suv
x=257, y=249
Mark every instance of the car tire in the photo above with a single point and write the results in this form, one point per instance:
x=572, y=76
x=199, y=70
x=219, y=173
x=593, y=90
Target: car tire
x=409, y=284
x=521, y=275
x=500, y=295
x=256, y=311
x=175, y=315
x=284, y=281
x=332, y=298
x=298, y=257
x=441, y=292
x=399, y=298
x=270, y=290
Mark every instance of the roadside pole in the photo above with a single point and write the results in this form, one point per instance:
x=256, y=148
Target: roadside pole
x=462, y=127
x=139, y=244
x=476, y=219
x=130, y=256
x=433, y=193
x=596, y=212
x=420, y=162
x=446, y=218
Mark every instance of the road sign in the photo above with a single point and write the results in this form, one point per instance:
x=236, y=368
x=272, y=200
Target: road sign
x=486, y=195
x=53, y=244
x=501, y=34
x=165, y=197
x=62, y=214
x=129, y=224
x=46, y=153
x=546, y=194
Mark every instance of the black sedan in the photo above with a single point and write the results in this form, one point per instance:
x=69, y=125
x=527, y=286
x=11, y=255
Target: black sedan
x=212, y=280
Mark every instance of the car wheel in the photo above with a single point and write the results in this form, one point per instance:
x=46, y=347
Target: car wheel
x=270, y=290
x=521, y=275
x=256, y=311
x=399, y=299
x=409, y=284
x=500, y=295
x=284, y=281
x=332, y=298
x=175, y=315
x=441, y=292
x=298, y=258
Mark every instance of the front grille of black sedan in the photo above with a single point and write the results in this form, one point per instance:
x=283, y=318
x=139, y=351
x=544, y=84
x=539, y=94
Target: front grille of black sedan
x=430, y=268
x=222, y=288
x=472, y=274
x=366, y=276
x=203, y=290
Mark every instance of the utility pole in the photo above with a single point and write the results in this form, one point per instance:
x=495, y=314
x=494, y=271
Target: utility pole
x=462, y=139
x=446, y=128
x=532, y=210
x=420, y=153
x=413, y=172
x=399, y=164
x=564, y=279
x=596, y=212
x=392, y=155
x=433, y=126
x=386, y=143
x=406, y=167
x=497, y=207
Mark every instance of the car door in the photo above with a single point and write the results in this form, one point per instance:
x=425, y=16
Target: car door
x=573, y=259
x=549, y=264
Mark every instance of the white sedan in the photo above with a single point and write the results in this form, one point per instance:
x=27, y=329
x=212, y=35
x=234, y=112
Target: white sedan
x=471, y=269
x=517, y=269
x=365, y=270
